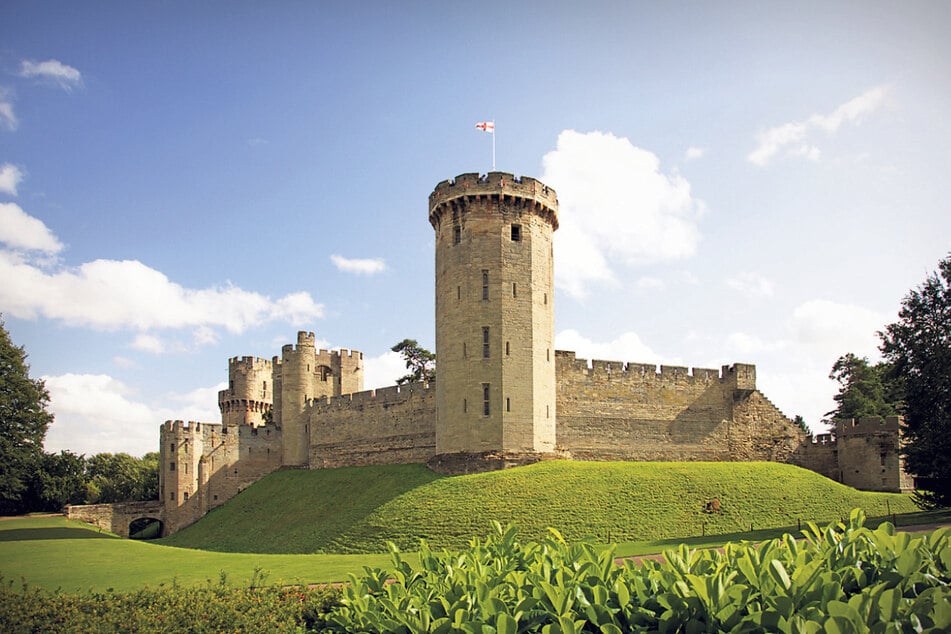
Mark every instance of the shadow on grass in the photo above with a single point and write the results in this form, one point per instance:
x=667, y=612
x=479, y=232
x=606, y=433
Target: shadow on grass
x=54, y=532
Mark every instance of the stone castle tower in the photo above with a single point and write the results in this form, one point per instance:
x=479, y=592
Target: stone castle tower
x=495, y=324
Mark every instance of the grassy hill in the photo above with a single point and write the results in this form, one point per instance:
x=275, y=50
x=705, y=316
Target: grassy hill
x=359, y=509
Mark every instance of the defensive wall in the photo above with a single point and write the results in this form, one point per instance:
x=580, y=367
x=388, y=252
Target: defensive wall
x=630, y=411
x=392, y=425
x=862, y=453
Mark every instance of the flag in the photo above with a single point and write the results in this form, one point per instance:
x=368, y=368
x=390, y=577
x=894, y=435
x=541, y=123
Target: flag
x=486, y=126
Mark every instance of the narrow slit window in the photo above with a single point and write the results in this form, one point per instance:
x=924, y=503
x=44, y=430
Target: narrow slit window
x=465, y=354
x=465, y=406
x=485, y=284
x=516, y=233
x=456, y=234
x=458, y=292
x=485, y=399
x=506, y=348
x=485, y=342
x=514, y=289
x=508, y=404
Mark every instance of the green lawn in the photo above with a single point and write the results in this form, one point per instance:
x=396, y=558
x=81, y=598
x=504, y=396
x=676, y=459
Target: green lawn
x=353, y=510
x=56, y=553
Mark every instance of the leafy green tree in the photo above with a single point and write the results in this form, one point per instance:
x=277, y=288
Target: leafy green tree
x=60, y=480
x=918, y=346
x=419, y=361
x=23, y=424
x=864, y=389
x=122, y=478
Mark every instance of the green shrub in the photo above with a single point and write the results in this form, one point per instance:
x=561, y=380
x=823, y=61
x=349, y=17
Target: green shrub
x=214, y=608
x=845, y=578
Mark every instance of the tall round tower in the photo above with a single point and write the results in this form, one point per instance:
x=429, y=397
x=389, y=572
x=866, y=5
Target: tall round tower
x=495, y=378
x=298, y=384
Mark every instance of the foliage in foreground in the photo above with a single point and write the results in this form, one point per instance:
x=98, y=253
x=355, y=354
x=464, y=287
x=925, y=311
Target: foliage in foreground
x=846, y=578
x=214, y=608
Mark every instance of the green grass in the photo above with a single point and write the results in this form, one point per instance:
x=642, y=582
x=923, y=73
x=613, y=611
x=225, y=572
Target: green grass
x=357, y=510
x=59, y=554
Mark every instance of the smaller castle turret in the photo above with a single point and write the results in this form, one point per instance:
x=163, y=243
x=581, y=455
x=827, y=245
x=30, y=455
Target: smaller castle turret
x=302, y=374
x=250, y=392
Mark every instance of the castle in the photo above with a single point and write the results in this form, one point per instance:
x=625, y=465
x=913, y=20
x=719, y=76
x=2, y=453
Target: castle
x=503, y=395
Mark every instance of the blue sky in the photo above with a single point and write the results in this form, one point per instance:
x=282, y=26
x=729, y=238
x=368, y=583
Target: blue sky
x=185, y=182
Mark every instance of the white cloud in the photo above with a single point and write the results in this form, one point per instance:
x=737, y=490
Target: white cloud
x=8, y=120
x=148, y=343
x=19, y=230
x=365, y=266
x=97, y=413
x=111, y=294
x=382, y=371
x=752, y=284
x=794, y=134
x=650, y=283
x=616, y=207
x=63, y=75
x=694, y=153
x=830, y=329
x=10, y=177
x=627, y=347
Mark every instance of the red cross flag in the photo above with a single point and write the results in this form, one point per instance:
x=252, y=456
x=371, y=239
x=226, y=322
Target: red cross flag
x=486, y=126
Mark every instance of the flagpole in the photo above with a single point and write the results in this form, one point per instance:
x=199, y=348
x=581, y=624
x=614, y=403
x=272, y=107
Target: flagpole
x=493, y=145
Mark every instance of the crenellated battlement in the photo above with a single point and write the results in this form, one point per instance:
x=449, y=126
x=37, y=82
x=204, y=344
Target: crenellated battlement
x=391, y=394
x=249, y=364
x=868, y=426
x=188, y=428
x=498, y=185
x=568, y=360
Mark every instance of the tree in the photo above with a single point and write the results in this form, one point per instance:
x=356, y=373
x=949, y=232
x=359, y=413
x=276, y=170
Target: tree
x=419, y=361
x=918, y=346
x=23, y=424
x=122, y=478
x=60, y=480
x=864, y=389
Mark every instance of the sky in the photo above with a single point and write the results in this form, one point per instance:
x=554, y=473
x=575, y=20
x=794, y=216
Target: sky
x=181, y=183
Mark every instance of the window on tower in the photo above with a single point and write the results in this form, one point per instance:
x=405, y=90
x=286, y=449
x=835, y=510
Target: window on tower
x=485, y=399
x=485, y=284
x=456, y=234
x=485, y=342
x=516, y=233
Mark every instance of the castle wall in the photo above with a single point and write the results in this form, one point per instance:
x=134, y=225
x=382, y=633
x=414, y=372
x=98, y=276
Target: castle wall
x=627, y=411
x=760, y=431
x=202, y=465
x=869, y=454
x=393, y=425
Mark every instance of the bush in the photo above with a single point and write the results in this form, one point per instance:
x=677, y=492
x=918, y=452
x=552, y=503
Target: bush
x=214, y=608
x=845, y=578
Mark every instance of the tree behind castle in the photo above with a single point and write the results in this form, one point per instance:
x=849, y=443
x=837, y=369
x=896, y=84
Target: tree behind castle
x=919, y=347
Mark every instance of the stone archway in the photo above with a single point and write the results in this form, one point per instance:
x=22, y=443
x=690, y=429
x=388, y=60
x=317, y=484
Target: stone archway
x=146, y=528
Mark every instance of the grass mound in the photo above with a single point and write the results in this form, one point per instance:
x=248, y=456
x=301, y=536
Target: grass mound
x=359, y=509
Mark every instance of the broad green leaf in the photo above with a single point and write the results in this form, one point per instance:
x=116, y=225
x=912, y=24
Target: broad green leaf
x=778, y=573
